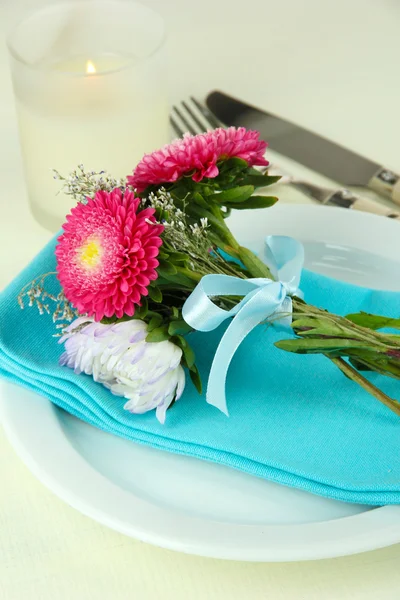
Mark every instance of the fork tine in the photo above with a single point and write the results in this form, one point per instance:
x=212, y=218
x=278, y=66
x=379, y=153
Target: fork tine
x=209, y=117
x=187, y=124
x=179, y=132
x=195, y=118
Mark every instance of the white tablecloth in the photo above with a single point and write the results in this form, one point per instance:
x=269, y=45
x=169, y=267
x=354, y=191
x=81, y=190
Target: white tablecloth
x=330, y=66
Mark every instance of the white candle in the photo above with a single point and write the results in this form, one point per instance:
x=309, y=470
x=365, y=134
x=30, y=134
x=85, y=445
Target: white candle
x=102, y=109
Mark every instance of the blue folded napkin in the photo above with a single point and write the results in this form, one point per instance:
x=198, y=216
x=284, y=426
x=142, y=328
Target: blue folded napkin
x=295, y=420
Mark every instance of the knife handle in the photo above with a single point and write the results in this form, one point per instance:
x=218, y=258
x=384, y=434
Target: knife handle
x=346, y=199
x=386, y=183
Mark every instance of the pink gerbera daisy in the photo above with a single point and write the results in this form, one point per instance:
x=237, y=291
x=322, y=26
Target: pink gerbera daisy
x=198, y=156
x=106, y=256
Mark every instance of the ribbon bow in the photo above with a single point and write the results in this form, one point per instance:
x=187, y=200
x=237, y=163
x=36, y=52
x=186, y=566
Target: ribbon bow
x=262, y=298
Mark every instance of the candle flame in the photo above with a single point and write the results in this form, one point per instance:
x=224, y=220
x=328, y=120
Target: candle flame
x=90, y=68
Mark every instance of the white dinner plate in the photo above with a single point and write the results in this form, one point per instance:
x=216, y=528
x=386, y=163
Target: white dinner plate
x=197, y=507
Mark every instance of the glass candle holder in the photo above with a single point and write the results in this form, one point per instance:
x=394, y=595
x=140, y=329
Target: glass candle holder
x=89, y=83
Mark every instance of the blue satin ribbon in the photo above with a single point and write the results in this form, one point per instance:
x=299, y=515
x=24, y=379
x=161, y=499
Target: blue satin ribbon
x=263, y=299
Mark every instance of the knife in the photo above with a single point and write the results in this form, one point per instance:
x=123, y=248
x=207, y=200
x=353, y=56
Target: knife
x=307, y=148
x=343, y=198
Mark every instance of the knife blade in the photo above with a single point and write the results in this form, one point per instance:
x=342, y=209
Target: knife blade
x=307, y=148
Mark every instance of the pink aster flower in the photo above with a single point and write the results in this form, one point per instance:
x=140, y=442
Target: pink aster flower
x=198, y=156
x=106, y=256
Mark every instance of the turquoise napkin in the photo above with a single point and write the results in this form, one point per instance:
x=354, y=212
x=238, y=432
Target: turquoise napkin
x=293, y=419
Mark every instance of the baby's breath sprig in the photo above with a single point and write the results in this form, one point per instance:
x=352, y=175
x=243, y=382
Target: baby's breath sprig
x=184, y=235
x=44, y=301
x=81, y=184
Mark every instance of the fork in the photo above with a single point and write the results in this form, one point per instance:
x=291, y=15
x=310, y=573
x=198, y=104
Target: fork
x=194, y=117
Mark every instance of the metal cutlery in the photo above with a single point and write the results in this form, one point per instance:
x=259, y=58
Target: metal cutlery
x=307, y=148
x=341, y=197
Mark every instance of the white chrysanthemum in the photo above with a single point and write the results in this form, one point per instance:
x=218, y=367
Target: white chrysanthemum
x=149, y=375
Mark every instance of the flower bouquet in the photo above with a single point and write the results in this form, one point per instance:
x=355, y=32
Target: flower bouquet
x=142, y=263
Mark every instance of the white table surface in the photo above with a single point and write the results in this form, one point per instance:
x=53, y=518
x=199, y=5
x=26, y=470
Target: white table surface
x=330, y=66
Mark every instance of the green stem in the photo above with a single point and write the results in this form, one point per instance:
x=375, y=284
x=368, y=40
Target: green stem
x=217, y=222
x=255, y=266
x=193, y=275
x=348, y=370
x=370, y=337
x=384, y=367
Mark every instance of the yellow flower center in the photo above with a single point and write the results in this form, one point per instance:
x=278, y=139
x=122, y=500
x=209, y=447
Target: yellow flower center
x=90, y=253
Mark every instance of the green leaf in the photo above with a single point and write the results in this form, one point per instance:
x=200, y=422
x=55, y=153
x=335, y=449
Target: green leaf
x=166, y=268
x=160, y=334
x=175, y=312
x=261, y=180
x=154, y=323
x=226, y=212
x=179, y=327
x=255, y=202
x=179, y=341
x=234, y=162
x=155, y=293
x=314, y=326
x=256, y=267
x=217, y=223
x=189, y=356
x=237, y=194
x=196, y=379
x=373, y=321
x=198, y=198
x=178, y=280
x=108, y=320
x=178, y=257
x=319, y=345
x=217, y=211
x=114, y=319
x=152, y=313
x=141, y=311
